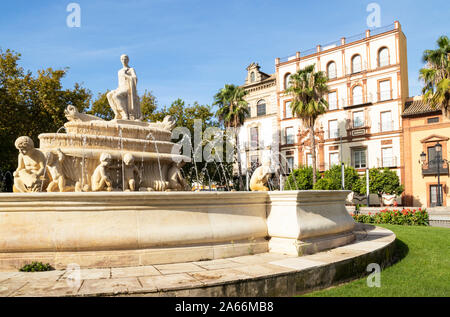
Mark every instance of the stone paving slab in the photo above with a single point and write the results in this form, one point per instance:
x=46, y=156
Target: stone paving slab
x=217, y=264
x=46, y=288
x=178, y=268
x=265, y=274
x=8, y=288
x=297, y=263
x=107, y=286
x=7, y=275
x=134, y=271
x=90, y=274
x=170, y=282
x=364, y=246
x=219, y=276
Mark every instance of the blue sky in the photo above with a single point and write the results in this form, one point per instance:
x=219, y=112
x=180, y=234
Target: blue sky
x=190, y=48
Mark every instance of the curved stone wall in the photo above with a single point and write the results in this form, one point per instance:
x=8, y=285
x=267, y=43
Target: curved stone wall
x=141, y=228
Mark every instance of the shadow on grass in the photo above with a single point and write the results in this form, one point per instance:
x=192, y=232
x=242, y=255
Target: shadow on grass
x=401, y=251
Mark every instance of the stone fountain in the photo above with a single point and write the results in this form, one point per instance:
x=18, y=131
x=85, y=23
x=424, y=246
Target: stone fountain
x=110, y=193
x=90, y=156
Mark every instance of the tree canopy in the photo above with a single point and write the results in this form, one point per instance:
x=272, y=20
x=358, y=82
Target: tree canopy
x=332, y=179
x=32, y=104
x=308, y=88
x=300, y=179
x=233, y=109
x=436, y=76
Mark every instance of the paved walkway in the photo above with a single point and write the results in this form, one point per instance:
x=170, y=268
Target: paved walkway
x=205, y=278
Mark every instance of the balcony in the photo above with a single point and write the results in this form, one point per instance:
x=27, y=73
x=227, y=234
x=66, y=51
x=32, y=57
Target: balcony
x=339, y=43
x=386, y=126
x=252, y=146
x=333, y=134
x=385, y=95
x=429, y=169
x=389, y=161
x=356, y=68
x=383, y=62
x=358, y=100
x=357, y=128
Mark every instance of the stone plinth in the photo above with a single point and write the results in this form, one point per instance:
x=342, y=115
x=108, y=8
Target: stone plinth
x=305, y=222
x=121, y=229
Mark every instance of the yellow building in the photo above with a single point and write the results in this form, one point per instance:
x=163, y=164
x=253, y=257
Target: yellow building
x=424, y=128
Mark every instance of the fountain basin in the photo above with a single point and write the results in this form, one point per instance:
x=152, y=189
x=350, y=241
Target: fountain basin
x=142, y=228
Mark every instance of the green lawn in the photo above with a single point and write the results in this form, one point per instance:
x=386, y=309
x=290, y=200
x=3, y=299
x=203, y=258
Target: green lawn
x=422, y=270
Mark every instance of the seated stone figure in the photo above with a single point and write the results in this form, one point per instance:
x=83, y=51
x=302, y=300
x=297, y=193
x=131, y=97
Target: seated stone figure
x=28, y=176
x=124, y=100
x=54, y=166
x=100, y=180
x=130, y=173
x=176, y=180
x=260, y=178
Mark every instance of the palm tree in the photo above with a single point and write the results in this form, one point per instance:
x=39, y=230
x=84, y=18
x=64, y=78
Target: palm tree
x=436, y=77
x=233, y=110
x=308, y=88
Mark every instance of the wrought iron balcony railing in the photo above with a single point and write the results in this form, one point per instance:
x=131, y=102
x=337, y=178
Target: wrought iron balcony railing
x=432, y=169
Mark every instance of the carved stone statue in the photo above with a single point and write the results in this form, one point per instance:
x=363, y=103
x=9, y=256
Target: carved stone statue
x=260, y=178
x=28, y=176
x=72, y=114
x=54, y=166
x=168, y=123
x=131, y=172
x=124, y=100
x=100, y=180
x=176, y=180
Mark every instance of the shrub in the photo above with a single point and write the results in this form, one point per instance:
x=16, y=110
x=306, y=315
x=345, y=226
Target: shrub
x=36, y=267
x=332, y=179
x=300, y=179
x=406, y=217
x=382, y=181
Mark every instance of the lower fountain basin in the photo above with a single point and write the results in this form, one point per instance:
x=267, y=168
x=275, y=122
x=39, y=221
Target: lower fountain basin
x=143, y=228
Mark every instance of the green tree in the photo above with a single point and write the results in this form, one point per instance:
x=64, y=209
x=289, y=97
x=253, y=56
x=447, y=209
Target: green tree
x=332, y=179
x=31, y=105
x=436, y=76
x=382, y=181
x=308, y=88
x=233, y=110
x=100, y=107
x=300, y=179
x=185, y=116
x=149, y=107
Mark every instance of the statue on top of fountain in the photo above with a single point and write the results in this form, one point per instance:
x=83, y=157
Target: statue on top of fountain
x=124, y=100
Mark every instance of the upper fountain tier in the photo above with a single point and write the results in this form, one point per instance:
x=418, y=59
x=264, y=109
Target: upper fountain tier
x=89, y=134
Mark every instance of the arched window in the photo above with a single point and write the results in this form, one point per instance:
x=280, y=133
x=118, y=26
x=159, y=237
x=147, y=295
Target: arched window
x=331, y=70
x=383, y=57
x=356, y=64
x=287, y=81
x=252, y=77
x=357, y=95
x=261, y=108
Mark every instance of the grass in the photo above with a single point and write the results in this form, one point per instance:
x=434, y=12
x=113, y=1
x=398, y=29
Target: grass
x=422, y=269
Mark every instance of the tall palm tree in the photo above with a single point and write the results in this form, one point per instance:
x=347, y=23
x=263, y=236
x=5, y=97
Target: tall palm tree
x=308, y=88
x=233, y=110
x=436, y=76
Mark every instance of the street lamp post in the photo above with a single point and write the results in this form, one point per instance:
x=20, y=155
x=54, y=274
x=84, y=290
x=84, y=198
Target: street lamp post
x=438, y=161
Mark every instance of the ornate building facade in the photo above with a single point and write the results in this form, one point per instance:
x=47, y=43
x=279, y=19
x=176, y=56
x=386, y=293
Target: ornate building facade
x=368, y=87
x=426, y=180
